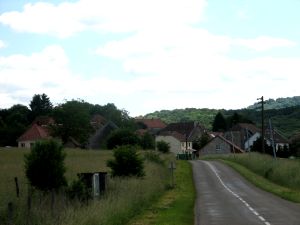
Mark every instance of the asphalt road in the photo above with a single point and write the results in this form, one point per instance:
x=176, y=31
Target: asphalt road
x=226, y=198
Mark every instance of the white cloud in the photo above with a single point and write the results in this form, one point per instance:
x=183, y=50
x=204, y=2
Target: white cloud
x=264, y=43
x=2, y=44
x=106, y=16
x=190, y=67
x=176, y=64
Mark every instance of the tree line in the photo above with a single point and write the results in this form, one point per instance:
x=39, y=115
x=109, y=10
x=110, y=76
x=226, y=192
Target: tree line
x=72, y=118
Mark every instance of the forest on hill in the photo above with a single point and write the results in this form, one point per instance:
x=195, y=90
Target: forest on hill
x=284, y=119
x=278, y=103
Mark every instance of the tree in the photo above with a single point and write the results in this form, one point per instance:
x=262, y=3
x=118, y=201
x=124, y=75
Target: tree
x=40, y=105
x=122, y=137
x=257, y=146
x=147, y=141
x=44, y=165
x=15, y=120
x=219, y=123
x=163, y=146
x=201, y=142
x=72, y=120
x=126, y=162
x=237, y=118
x=111, y=112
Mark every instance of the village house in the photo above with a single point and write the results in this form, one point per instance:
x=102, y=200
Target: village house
x=219, y=145
x=152, y=126
x=34, y=133
x=180, y=136
x=245, y=134
x=39, y=130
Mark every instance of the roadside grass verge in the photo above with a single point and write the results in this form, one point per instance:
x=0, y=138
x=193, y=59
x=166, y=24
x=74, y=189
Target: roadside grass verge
x=176, y=206
x=280, y=177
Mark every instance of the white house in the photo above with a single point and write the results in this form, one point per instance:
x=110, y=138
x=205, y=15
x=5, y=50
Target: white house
x=178, y=143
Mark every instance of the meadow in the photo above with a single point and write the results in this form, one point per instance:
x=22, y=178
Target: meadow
x=124, y=198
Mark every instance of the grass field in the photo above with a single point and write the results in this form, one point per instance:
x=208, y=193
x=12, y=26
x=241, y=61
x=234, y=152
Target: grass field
x=280, y=176
x=12, y=165
x=124, y=199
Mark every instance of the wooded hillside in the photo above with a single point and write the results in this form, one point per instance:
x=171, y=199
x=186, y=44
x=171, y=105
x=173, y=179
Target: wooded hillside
x=285, y=119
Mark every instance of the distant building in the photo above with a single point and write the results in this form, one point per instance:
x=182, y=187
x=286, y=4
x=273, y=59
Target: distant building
x=152, y=126
x=34, y=133
x=219, y=145
x=245, y=134
x=180, y=136
x=178, y=143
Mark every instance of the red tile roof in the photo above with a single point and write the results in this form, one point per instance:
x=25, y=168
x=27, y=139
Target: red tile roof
x=35, y=132
x=152, y=123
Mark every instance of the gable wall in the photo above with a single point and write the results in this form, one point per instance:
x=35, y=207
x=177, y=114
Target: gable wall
x=175, y=145
x=216, y=146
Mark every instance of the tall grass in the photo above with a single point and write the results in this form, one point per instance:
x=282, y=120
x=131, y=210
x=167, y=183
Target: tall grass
x=284, y=172
x=124, y=198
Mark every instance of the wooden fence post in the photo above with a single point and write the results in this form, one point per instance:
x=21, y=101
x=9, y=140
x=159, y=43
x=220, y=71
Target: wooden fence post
x=17, y=187
x=29, y=199
x=10, y=213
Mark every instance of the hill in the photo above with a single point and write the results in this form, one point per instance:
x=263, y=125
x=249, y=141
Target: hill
x=285, y=119
x=205, y=116
x=278, y=103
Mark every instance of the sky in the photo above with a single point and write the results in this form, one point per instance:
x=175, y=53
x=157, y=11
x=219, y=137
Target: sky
x=146, y=55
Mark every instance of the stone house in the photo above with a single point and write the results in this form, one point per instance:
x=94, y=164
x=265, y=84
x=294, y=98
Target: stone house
x=219, y=145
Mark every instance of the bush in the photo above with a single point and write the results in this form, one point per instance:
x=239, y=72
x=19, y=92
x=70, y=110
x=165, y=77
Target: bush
x=126, y=162
x=163, y=146
x=122, y=137
x=44, y=165
x=147, y=141
x=78, y=190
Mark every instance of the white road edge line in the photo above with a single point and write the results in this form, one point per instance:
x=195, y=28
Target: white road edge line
x=237, y=196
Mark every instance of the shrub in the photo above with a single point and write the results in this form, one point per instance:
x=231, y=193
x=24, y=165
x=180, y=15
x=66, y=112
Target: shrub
x=44, y=165
x=126, y=162
x=147, y=141
x=78, y=190
x=122, y=137
x=163, y=146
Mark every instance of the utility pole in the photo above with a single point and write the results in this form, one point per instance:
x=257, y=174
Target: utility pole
x=262, y=124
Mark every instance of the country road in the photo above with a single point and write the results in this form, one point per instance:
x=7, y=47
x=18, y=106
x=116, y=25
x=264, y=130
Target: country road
x=226, y=198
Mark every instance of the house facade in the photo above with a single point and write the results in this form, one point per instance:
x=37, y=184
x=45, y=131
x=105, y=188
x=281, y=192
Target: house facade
x=180, y=136
x=178, y=143
x=219, y=145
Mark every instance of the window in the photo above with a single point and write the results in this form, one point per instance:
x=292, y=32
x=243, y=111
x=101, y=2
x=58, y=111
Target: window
x=218, y=148
x=23, y=145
